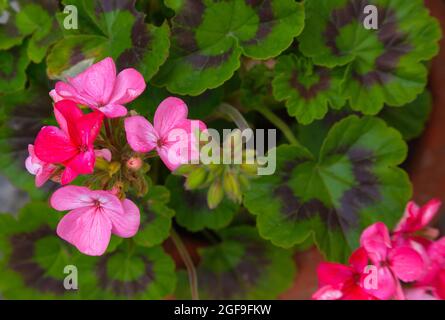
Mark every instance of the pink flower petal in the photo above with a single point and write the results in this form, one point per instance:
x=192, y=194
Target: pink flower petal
x=53, y=94
x=141, y=135
x=87, y=128
x=386, y=284
x=376, y=241
x=429, y=211
x=125, y=224
x=328, y=293
x=406, y=263
x=422, y=293
x=168, y=114
x=44, y=175
x=335, y=274
x=68, y=176
x=82, y=163
x=67, y=91
x=129, y=85
x=71, y=197
x=87, y=229
x=359, y=260
x=52, y=145
x=113, y=110
x=67, y=111
x=103, y=153
x=96, y=82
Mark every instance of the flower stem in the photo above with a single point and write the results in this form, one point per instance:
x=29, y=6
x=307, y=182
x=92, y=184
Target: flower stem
x=280, y=124
x=191, y=270
x=107, y=129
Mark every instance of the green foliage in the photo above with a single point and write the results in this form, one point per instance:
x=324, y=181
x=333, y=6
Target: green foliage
x=352, y=183
x=241, y=266
x=346, y=99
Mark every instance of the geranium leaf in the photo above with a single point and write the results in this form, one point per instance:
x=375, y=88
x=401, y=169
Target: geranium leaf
x=192, y=211
x=242, y=266
x=30, y=18
x=208, y=38
x=384, y=65
x=352, y=183
x=156, y=217
x=409, y=120
x=33, y=257
x=131, y=272
x=13, y=64
x=115, y=29
x=21, y=117
x=307, y=89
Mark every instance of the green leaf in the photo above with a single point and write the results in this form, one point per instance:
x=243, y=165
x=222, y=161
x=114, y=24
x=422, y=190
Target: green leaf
x=192, y=211
x=21, y=117
x=411, y=119
x=353, y=182
x=384, y=65
x=156, y=217
x=35, y=19
x=131, y=272
x=112, y=29
x=307, y=89
x=33, y=258
x=242, y=266
x=209, y=37
x=13, y=64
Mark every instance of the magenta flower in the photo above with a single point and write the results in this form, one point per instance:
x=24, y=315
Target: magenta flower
x=393, y=263
x=42, y=170
x=339, y=282
x=94, y=216
x=433, y=278
x=99, y=88
x=173, y=135
x=72, y=144
x=416, y=219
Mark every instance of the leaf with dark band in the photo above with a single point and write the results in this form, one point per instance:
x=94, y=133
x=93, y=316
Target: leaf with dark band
x=208, y=38
x=156, y=217
x=354, y=182
x=242, y=266
x=111, y=28
x=307, y=89
x=384, y=65
x=33, y=257
x=192, y=211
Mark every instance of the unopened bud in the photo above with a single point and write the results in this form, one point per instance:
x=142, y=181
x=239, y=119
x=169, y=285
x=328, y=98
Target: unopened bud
x=251, y=169
x=134, y=163
x=113, y=168
x=184, y=169
x=101, y=164
x=232, y=187
x=215, y=194
x=196, y=178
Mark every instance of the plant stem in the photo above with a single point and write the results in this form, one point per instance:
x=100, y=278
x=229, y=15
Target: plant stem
x=107, y=129
x=280, y=124
x=191, y=270
x=235, y=115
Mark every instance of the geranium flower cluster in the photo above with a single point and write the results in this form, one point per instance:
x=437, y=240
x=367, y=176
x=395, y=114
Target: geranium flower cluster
x=408, y=263
x=91, y=143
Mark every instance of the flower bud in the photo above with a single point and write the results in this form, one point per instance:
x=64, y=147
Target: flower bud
x=101, y=164
x=113, y=168
x=196, y=178
x=215, y=194
x=134, y=163
x=184, y=169
x=250, y=169
x=232, y=187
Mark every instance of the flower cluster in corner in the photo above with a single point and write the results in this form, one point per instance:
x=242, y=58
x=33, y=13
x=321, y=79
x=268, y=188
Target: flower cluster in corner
x=91, y=143
x=409, y=263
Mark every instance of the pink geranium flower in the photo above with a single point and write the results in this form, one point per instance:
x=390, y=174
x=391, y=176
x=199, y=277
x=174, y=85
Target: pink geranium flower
x=172, y=135
x=339, y=282
x=42, y=170
x=94, y=216
x=99, y=88
x=434, y=272
x=416, y=219
x=393, y=263
x=72, y=143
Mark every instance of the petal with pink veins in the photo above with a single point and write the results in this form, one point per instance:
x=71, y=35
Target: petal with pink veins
x=129, y=85
x=87, y=229
x=406, y=263
x=141, y=135
x=169, y=114
x=376, y=241
x=71, y=197
x=125, y=224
